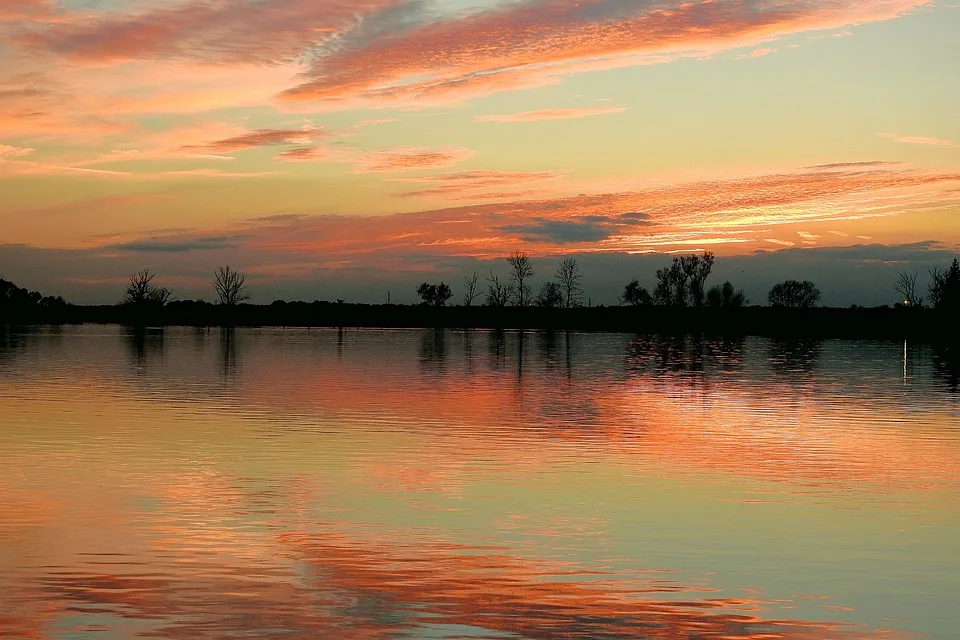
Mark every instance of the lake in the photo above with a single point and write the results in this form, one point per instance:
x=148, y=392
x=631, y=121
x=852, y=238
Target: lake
x=362, y=484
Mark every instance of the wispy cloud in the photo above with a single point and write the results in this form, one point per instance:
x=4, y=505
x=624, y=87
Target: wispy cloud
x=303, y=154
x=475, y=184
x=924, y=140
x=549, y=114
x=9, y=151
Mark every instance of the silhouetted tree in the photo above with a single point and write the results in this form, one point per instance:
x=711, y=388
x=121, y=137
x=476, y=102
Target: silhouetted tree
x=435, y=295
x=906, y=286
x=498, y=292
x=680, y=281
x=550, y=296
x=794, y=294
x=635, y=295
x=663, y=292
x=945, y=288
x=470, y=292
x=230, y=286
x=14, y=297
x=521, y=270
x=569, y=276
x=142, y=292
x=725, y=296
x=696, y=269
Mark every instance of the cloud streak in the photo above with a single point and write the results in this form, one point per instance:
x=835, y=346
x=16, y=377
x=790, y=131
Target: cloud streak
x=750, y=212
x=409, y=159
x=921, y=140
x=549, y=114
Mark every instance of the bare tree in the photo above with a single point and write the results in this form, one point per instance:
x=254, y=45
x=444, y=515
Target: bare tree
x=138, y=291
x=470, y=292
x=907, y=287
x=142, y=291
x=569, y=276
x=521, y=270
x=230, y=286
x=499, y=292
x=160, y=296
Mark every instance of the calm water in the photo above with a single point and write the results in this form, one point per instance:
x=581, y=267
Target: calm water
x=419, y=484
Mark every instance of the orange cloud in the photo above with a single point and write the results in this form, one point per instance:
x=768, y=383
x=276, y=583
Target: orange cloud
x=685, y=216
x=549, y=114
x=756, y=53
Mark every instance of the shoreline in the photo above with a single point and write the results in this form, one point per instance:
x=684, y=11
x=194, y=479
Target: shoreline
x=821, y=322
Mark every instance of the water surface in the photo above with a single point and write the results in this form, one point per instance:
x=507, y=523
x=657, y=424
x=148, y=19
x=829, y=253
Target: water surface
x=193, y=483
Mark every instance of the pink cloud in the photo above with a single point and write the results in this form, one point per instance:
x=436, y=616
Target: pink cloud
x=757, y=53
x=303, y=154
x=264, y=32
x=525, y=39
x=20, y=10
x=367, y=51
x=263, y=138
x=549, y=114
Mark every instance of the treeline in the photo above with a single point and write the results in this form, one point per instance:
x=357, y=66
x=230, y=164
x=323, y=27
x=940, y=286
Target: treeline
x=681, y=300
x=681, y=284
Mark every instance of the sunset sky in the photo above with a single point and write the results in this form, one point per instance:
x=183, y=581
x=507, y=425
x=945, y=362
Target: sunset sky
x=344, y=148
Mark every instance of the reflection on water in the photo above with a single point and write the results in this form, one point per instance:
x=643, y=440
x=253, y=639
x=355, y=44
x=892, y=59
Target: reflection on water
x=194, y=483
x=946, y=365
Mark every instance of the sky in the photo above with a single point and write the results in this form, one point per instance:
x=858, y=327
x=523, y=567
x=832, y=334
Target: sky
x=347, y=148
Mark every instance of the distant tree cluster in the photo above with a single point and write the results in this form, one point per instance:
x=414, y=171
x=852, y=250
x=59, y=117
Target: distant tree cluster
x=726, y=297
x=141, y=293
x=434, y=295
x=14, y=298
x=563, y=292
x=683, y=284
x=794, y=294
